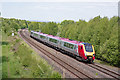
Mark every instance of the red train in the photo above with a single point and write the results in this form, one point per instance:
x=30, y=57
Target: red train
x=81, y=50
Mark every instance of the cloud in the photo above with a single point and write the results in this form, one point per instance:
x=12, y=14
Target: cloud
x=58, y=11
x=59, y=1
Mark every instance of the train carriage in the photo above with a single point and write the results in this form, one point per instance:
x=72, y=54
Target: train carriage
x=43, y=37
x=81, y=50
x=70, y=47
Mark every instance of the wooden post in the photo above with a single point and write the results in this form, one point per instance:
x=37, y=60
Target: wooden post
x=63, y=73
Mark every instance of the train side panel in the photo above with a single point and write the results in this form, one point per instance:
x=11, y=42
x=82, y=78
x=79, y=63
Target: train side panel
x=81, y=51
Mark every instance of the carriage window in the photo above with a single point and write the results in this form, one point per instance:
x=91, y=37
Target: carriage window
x=71, y=46
x=31, y=32
x=81, y=47
x=65, y=44
x=36, y=35
x=53, y=40
x=43, y=37
x=68, y=45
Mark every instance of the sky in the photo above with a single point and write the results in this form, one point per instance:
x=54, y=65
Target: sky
x=57, y=11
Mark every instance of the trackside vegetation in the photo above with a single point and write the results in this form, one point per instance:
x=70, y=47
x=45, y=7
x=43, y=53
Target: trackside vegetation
x=20, y=61
x=101, y=32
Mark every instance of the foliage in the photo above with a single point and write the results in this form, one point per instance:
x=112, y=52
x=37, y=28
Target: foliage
x=12, y=25
x=101, y=32
x=20, y=61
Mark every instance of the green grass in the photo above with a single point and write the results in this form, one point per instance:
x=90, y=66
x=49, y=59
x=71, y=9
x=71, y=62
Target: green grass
x=21, y=61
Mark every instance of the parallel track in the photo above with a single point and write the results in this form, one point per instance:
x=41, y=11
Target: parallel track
x=62, y=63
x=106, y=71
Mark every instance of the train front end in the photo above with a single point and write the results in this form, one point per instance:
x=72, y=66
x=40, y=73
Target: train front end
x=87, y=52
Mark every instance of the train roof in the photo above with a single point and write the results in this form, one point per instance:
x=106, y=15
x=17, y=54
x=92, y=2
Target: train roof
x=86, y=43
x=70, y=41
x=62, y=39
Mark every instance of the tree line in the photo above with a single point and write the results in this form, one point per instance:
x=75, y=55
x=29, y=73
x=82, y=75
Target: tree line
x=101, y=32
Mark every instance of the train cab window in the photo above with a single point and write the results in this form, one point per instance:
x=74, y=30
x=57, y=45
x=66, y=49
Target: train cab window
x=88, y=48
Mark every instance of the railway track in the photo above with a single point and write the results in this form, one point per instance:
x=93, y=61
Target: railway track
x=115, y=75
x=72, y=69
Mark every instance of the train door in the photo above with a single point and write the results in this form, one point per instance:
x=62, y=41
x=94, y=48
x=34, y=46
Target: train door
x=61, y=44
x=58, y=43
x=80, y=50
x=76, y=50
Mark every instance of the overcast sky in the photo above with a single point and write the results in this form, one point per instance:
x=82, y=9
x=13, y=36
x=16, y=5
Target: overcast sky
x=58, y=11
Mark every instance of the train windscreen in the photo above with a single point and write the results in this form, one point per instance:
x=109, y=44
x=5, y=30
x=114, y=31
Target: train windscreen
x=88, y=48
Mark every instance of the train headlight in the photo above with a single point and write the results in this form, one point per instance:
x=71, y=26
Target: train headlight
x=85, y=54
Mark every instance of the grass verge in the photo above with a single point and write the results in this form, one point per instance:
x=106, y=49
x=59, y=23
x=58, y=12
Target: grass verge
x=21, y=61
